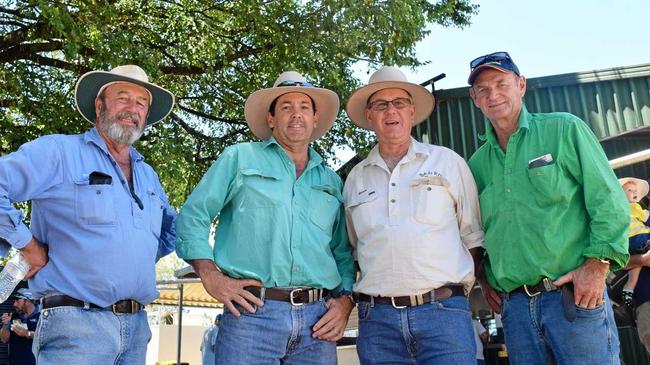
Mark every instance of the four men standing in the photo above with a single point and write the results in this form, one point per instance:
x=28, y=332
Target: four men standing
x=554, y=216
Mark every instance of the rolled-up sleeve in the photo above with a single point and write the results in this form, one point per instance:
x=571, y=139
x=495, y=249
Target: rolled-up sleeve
x=468, y=212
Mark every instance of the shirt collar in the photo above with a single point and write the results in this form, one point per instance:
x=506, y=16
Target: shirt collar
x=93, y=136
x=415, y=149
x=314, y=157
x=490, y=135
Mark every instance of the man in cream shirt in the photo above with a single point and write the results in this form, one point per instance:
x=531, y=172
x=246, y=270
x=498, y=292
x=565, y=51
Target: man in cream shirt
x=413, y=221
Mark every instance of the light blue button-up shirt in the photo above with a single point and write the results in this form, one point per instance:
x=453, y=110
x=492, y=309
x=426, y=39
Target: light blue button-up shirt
x=273, y=227
x=103, y=244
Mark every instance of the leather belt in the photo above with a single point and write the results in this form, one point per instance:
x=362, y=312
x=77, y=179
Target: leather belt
x=119, y=307
x=295, y=296
x=441, y=293
x=544, y=285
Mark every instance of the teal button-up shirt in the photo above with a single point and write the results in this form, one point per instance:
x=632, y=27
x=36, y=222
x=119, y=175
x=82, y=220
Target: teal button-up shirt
x=272, y=227
x=545, y=218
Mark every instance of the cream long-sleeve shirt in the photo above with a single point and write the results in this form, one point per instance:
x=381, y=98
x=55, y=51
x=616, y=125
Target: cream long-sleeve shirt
x=411, y=230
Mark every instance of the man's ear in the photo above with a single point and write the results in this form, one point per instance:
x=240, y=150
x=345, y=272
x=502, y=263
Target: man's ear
x=98, y=106
x=472, y=95
x=270, y=120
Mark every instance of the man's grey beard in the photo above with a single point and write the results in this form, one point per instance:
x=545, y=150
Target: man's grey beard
x=118, y=133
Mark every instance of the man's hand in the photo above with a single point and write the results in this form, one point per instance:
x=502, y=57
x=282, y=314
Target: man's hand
x=35, y=253
x=226, y=289
x=588, y=283
x=332, y=324
x=20, y=331
x=6, y=318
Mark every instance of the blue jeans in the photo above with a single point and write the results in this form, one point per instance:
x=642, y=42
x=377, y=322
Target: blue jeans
x=277, y=333
x=74, y=335
x=438, y=333
x=537, y=332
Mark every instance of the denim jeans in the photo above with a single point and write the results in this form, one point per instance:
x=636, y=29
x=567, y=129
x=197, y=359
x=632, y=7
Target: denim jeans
x=438, y=333
x=277, y=333
x=537, y=332
x=74, y=335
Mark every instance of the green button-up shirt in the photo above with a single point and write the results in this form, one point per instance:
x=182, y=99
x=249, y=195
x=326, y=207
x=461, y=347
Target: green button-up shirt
x=272, y=227
x=545, y=218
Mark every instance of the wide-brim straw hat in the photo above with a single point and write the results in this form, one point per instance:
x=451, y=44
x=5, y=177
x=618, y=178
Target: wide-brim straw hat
x=388, y=78
x=91, y=83
x=258, y=103
x=642, y=186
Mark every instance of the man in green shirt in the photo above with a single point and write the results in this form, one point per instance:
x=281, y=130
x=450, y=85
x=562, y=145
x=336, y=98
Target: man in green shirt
x=555, y=220
x=281, y=262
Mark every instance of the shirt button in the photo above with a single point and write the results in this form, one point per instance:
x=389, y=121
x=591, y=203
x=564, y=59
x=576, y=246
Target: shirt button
x=392, y=184
x=429, y=188
x=508, y=171
x=392, y=200
x=99, y=192
x=508, y=190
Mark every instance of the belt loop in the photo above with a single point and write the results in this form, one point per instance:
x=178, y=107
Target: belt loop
x=432, y=296
x=262, y=293
x=372, y=301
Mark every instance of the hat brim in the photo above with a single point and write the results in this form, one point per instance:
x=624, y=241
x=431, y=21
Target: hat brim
x=642, y=186
x=89, y=84
x=258, y=103
x=422, y=99
x=477, y=71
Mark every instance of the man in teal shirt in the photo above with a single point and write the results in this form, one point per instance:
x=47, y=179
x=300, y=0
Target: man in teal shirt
x=281, y=261
x=555, y=220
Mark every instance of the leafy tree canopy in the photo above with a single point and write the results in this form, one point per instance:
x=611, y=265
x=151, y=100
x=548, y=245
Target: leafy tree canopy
x=211, y=54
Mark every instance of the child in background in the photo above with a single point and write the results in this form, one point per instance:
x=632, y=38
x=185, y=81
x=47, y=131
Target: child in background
x=635, y=190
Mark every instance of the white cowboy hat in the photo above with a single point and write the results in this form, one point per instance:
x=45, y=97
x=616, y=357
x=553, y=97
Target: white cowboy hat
x=642, y=186
x=91, y=83
x=385, y=78
x=258, y=103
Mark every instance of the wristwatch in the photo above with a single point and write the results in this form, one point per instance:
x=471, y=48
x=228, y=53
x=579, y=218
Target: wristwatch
x=604, y=261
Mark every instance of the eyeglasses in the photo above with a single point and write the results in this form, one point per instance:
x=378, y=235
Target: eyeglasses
x=294, y=83
x=381, y=105
x=492, y=57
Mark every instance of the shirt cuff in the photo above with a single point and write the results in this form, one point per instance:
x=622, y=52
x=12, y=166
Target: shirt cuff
x=193, y=250
x=618, y=259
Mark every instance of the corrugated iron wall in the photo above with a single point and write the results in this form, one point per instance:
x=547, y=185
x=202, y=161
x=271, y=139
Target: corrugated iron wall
x=612, y=101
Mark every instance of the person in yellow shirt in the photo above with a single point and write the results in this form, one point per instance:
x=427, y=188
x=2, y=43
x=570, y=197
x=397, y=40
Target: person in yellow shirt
x=635, y=190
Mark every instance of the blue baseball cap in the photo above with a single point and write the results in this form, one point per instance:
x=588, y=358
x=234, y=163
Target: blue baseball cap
x=23, y=293
x=500, y=61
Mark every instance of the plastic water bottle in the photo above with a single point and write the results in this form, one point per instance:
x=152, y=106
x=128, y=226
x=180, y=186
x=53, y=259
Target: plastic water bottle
x=11, y=275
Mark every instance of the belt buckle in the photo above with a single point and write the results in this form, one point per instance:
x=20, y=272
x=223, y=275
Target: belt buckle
x=528, y=292
x=291, y=297
x=548, y=286
x=392, y=301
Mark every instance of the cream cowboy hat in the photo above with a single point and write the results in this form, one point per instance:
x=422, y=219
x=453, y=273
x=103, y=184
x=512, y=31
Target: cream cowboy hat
x=385, y=78
x=642, y=186
x=258, y=103
x=92, y=83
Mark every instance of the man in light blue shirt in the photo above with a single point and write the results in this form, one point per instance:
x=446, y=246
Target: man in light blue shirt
x=281, y=250
x=209, y=343
x=100, y=221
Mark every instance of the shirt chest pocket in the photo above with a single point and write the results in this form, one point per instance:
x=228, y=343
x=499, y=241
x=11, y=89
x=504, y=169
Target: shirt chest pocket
x=432, y=205
x=95, y=204
x=258, y=188
x=364, y=209
x=325, y=203
x=157, y=207
x=546, y=183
